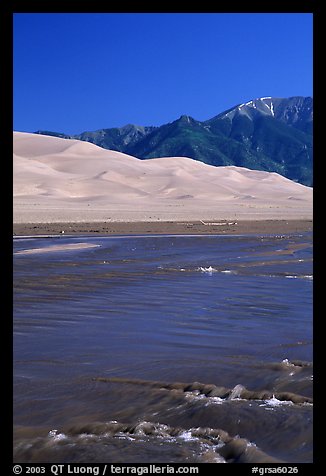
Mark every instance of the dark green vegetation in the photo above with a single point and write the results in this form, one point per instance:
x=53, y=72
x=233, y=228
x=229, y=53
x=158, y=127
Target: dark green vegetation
x=272, y=134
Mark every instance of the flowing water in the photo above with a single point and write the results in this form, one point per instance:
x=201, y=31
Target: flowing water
x=164, y=349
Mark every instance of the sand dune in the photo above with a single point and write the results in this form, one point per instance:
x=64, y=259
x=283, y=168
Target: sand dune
x=68, y=180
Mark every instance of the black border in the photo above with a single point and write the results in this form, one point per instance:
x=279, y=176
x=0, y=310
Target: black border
x=7, y=9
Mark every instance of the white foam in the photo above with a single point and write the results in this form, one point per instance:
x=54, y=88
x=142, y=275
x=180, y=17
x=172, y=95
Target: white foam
x=287, y=362
x=275, y=402
x=300, y=276
x=57, y=436
x=196, y=397
x=123, y=436
x=187, y=436
x=208, y=270
x=209, y=453
x=206, y=451
x=215, y=400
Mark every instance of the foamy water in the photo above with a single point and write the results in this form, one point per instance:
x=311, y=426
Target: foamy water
x=163, y=349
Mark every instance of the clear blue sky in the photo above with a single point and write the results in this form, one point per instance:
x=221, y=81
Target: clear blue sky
x=76, y=72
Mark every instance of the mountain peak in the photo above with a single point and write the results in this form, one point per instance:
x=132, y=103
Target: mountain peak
x=296, y=110
x=266, y=133
x=265, y=105
x=186, y=118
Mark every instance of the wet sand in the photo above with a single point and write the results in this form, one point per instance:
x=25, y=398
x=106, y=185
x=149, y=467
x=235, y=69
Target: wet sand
x=165, y=227
x=49, y=249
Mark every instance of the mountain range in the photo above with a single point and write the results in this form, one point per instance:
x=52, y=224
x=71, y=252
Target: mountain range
x=270, y=134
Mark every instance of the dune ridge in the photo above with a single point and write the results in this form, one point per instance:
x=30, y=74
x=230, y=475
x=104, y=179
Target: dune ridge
x=65, y=180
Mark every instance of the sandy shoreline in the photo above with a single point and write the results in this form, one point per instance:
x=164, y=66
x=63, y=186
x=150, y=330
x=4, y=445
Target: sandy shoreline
x=168, y=227
x=77, y=187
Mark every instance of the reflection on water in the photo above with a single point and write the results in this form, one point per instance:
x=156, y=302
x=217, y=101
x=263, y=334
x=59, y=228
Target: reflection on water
x=114, y=344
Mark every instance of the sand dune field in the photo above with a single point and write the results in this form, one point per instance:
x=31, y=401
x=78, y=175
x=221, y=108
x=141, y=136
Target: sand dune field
x=61, y=180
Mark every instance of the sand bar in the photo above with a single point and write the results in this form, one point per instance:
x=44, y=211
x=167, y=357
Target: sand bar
x=52, y=248
x=178, y=228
